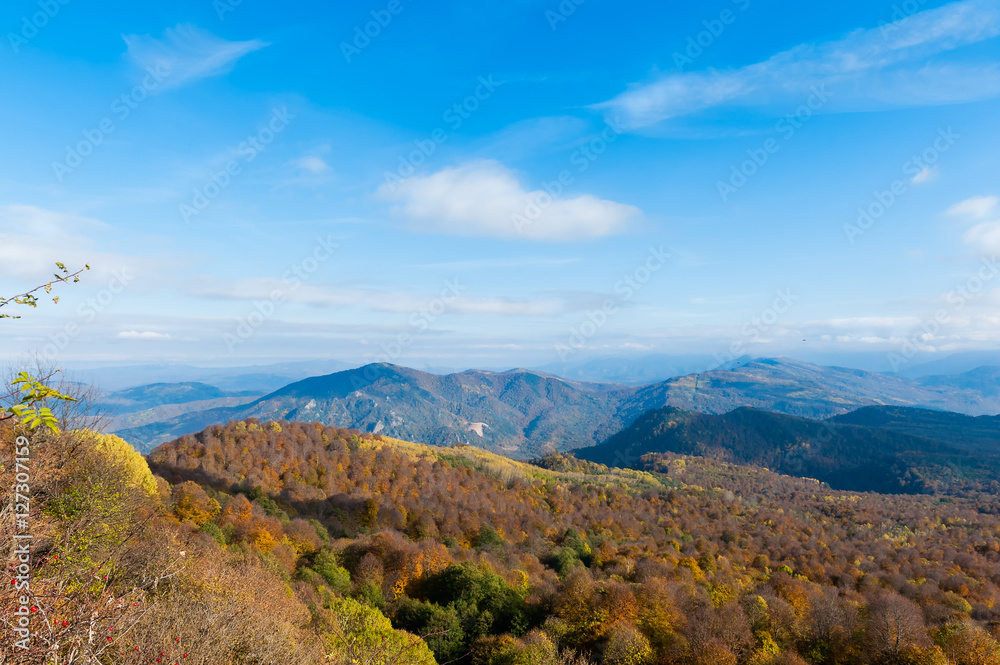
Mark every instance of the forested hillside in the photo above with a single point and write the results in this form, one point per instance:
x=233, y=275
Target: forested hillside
x=977, y=434
x=858, y=451
x=693, y=561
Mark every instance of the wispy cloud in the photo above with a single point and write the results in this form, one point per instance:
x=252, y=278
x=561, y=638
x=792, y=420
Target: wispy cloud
x=475, y=264
x=485, y=198
x=311, y=164
x=534, y=136
x=882, y=67
x=984, y=234
x=978, y=207
x=926, y=175
x=188, y=54
x=145, y=335
x=33, y=238
x=379, y=300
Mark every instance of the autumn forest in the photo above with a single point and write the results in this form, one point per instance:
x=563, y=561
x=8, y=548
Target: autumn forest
x=261, y=542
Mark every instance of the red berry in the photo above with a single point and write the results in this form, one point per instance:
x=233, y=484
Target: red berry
x=65, y=624
x=34, y=609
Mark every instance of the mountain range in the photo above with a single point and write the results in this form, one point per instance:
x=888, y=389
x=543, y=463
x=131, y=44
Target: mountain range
x=524, y=413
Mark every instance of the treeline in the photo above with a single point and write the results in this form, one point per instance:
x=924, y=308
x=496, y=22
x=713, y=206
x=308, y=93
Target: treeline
x=494, y=562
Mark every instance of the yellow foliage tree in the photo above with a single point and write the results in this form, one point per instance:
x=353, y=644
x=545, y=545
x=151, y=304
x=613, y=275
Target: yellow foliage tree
x=120, y=455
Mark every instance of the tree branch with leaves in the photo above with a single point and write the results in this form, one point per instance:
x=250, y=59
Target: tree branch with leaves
x=30, y=299
x=30, y=394
x=30, y=410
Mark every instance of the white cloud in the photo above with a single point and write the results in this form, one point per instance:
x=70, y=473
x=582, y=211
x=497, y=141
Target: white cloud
x=986, y=236
x=926, y=175
x=882, y=67
x=188, y=53
x=484, y=198
x=311, y=163
x=978, y=207
x=146, y=335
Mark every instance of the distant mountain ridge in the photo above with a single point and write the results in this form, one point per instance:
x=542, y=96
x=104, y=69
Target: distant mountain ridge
x=880, y=449
x=525, y=413
x=972, y=433
x=159, y=394
x=260, y=378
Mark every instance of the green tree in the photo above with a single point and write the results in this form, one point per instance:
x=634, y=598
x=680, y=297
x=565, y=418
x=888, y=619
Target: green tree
x=325, y=563
x=362, y=634
x=485, y=602
x=441, y=626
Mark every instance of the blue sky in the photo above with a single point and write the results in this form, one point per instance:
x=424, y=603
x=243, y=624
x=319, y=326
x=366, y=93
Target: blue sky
x=501, y=184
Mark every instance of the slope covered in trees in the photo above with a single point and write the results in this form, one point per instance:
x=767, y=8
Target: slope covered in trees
x=118, y=572
x=860, y=451
x=690, y=561
x=978, y=434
